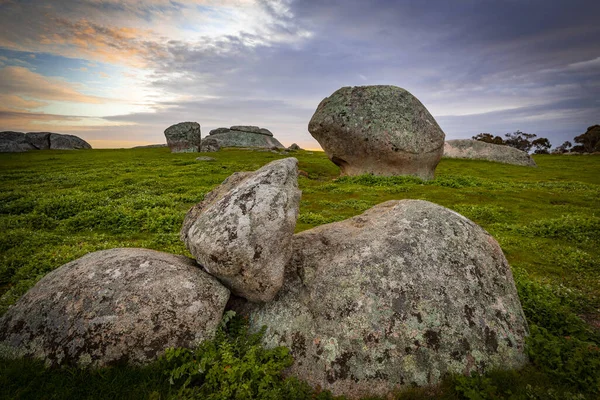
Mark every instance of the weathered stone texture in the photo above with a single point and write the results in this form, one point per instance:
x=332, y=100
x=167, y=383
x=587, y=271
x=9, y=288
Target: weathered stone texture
x=398, y=296
x=381, y=130
x=184, y=137
x=241, y=233
x=115, y=306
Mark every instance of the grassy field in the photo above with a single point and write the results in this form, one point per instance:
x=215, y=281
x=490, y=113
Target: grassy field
x=56, y=206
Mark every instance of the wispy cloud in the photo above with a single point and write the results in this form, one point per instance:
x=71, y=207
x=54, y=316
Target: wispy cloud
x=20, y=81
x=476, y=65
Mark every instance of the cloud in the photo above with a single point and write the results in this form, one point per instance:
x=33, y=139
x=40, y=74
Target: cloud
x=16, y=103
x=504, y=65
x=19, y=81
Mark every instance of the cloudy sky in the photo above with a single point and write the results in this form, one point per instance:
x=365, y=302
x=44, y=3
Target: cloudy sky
x=118, y=72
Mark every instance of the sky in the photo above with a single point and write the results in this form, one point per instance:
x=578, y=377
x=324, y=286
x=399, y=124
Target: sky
x=119, y=72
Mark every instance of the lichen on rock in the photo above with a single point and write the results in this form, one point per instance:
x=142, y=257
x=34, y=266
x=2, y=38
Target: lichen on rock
x=395, y=297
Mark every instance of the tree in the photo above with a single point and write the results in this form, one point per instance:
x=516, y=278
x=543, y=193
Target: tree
x=563, y=148
x=520, y=140
x=589, y=142
x=541, y=146
x=488, y=138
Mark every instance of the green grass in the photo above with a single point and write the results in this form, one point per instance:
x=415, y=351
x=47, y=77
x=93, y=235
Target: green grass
x=56, y=206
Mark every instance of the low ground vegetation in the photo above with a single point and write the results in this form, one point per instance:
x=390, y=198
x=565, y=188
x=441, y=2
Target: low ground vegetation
x=56, y=206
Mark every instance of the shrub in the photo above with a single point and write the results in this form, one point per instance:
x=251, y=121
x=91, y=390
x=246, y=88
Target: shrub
x=233, y=366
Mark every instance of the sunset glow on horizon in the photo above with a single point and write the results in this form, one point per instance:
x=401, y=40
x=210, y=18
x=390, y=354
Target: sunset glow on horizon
x=117, y=73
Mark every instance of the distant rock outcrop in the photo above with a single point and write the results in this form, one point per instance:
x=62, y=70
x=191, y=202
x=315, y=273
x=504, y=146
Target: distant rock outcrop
x=245, y=136
x=478, y=150
x=151, y=146
x=184, y=137
x=67, y=142
x=115, y=306
x=294, y=146
x=242, y=232
x=380, y=130
x=401, y=295
x=14, y=142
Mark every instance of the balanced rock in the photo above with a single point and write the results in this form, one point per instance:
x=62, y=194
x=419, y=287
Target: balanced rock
x=14, y=142
x=478, y=150
x=209, y=145
x=398, y=296
x=241, y=233
x=67, y=142
x=245, y=136
x=114, y=306
x=184, y=137
x=380, y=130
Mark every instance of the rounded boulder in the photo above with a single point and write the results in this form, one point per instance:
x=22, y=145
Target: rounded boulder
x=380, y=130
x=115, y=306
x=396, y=297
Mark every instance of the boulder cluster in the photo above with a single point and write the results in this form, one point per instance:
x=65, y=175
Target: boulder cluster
x=186, y=137
x=398, y=296
x=17, y=142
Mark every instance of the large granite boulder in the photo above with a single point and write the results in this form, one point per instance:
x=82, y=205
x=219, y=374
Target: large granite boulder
x=114, y=306
x=245, y=136
x=14, y=142
x=210, y=145
x=67, y=142
x=478, y=150
x=184, y=137
x=241, y=233
x=395, y=297
x=380, y=130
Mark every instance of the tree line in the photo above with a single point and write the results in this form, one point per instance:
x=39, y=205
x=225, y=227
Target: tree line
x=588, y=142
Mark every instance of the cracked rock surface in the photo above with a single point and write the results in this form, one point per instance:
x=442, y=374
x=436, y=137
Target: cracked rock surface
x=114, y=306
x=398, y=296
x=242, y=232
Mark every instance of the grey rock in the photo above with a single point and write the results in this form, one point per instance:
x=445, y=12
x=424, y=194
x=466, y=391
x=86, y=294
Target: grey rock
x=19, y=142
x=478, y=150
x=241, y=233
x=205, y=159
x=233, y=138
x=67, y=142
x=14, y=142
x=184, y=137
x=114, y=306
x=395, y=297
x=210, y=145
x=294, y=146
x=219, y=130
x=380, y=130
x=40, y=140
x=251, y=129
